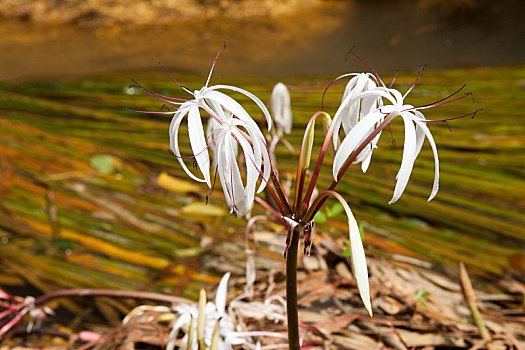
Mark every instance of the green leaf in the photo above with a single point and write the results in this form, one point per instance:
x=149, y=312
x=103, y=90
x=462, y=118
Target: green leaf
x=336, y=209
x=346, y=252
x=104, y=163
x=320, y=217
x=362, y=232
x=421, y=295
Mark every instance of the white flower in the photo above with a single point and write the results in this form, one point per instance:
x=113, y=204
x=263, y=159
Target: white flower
x=352, y=113
x=415, y=133
x=281, y=108
x=216, y=104
x=213, y=311
x=231, y=127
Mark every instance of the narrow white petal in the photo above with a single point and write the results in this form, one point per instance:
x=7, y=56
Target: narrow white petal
x=252, y=173
x=223, y=161
x=216, y=107
x=231, y=105
x=220, y=298
x=254, y=98
x=350, y=100
x=174, y=141
x=358, y=259
x=237, y=188
x=435, y=186
x=198, y=143
x=354, y=139
x=407, y=163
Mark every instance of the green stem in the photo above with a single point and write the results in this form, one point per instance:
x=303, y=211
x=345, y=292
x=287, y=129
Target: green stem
x=291, y=291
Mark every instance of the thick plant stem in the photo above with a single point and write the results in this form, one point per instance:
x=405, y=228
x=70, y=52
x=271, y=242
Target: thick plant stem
x=291, y=291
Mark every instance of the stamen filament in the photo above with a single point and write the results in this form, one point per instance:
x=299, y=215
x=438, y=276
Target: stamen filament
x=415, y=82
x=367, y=65
x=175, y=80
x=215, y=61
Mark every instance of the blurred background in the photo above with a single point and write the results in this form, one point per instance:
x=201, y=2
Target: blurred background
x=90, y=197
x=267, y=37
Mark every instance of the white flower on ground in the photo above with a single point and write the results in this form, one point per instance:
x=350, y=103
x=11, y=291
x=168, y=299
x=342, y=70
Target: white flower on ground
x=281, y=108
x=213, y=311
x=352, y=113
x=415, y=132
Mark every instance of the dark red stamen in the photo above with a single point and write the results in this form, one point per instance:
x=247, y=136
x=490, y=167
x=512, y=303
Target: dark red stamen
x=473, y=114
x=441, y=103
x=445, y=98
x=367, y=65
x=215, y=61
x=327, y=87
x=146, y=112
x=415, y=82
x=393, y=80
x=175, y=80
x=158, y=96
x=213, y=185
x=392, y=136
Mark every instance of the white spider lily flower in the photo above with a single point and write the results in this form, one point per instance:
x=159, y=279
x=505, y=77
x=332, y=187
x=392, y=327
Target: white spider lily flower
x=281, y=108
x=231, y=127
x=415, y=133
x=213, y=312
x=216, y=104
x=352, y=113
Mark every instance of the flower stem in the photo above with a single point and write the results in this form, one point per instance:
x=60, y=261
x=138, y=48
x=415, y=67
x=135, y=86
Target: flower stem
x=320, y=201
x=291, y=291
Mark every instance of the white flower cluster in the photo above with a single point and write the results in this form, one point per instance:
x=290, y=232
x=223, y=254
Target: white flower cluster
x=363, y=108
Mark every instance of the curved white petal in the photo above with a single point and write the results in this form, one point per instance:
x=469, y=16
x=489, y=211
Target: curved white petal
x=254, y=98
x=231, y=105
x=409, y=156
x=198, y=143
x=261, y=156
x=350, y=100
x=220, y=297
x=252, y=173
x=354, y=139
x=174, y=141
x=435, y=186
x=358, y=259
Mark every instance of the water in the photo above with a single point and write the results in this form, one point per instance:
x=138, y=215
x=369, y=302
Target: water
x=391, y=35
